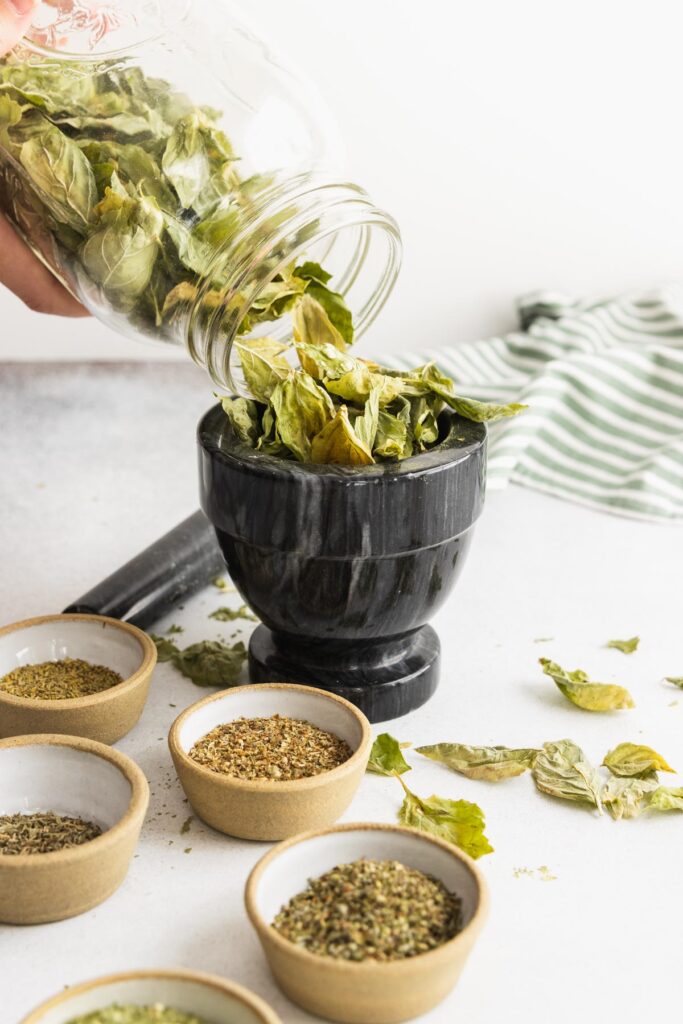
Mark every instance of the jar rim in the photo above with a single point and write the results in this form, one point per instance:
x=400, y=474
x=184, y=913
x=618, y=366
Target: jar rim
x=333, y=208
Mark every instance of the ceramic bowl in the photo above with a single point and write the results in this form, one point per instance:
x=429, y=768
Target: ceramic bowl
x=105, y=716
x=219, y=1001
x=366, y=992
x=262, y=809
x=77, y=777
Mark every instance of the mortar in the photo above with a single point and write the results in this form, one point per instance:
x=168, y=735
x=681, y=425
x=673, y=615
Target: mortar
x=345, y=565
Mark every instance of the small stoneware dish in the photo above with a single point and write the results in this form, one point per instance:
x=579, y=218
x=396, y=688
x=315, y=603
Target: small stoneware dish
x=367, y=992
x=262, y=808
x=104, y=716
x=191, y=992
x=79, y=778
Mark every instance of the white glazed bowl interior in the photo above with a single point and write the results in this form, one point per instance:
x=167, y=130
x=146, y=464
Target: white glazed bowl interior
x=262, y=701
x=43, y=777
x=288, y=872
x=101, y=643
x=185, y=994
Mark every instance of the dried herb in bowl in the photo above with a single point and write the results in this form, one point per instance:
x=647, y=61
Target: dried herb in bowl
x=59, y=680
x=157, y=1013
x=371, y=910
x=276, y=748
x=43, y=832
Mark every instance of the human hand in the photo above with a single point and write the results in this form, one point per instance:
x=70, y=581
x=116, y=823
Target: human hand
x=20, y=270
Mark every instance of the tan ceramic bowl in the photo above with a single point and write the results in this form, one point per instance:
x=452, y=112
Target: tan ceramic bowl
x=75, y=777
x=216, y=1000
x=367, y=992
x=263, y=809
x=105, y=716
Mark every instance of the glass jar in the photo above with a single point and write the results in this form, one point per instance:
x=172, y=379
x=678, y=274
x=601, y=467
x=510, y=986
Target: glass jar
x=176, y=176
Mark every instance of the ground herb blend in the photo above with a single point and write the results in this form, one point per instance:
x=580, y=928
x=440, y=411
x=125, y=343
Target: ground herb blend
x=158, y=1013
x=59, y=680
x=371, y=910
x=43, y=832
x=276, y=748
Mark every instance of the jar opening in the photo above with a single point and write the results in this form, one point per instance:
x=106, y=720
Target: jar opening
x=334, y=225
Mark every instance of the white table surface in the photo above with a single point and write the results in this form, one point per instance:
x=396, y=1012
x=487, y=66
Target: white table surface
x=97, y=461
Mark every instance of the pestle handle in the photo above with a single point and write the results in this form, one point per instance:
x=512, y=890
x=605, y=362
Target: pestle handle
x=175, y=566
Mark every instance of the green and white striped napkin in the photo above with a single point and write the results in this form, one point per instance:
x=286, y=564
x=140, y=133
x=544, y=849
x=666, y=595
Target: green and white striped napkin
x=604, y=386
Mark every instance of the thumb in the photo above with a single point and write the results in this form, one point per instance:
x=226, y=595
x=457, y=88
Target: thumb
x=15, y=18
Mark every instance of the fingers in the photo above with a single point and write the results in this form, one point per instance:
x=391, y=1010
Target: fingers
x=25, y=275
x=15, y=18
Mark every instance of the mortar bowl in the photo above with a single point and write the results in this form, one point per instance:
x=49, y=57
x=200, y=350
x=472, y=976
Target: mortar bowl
x=345, y=565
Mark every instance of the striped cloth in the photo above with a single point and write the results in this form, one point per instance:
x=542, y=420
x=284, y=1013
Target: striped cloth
x=604, y=386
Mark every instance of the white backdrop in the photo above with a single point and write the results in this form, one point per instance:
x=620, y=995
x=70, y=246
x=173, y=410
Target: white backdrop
x=520, y=145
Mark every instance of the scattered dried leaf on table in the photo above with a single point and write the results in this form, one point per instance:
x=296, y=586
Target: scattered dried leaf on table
x=676, y=681
x=231, y=614
x=577, y=687
x=489, y=763
x=386, y=757
x=625, y=646
x=666, y=799
x=561, y=770
x=457, y=821
x=623, y=797
x=206, y=663
x=633, y=759
x=221, y=583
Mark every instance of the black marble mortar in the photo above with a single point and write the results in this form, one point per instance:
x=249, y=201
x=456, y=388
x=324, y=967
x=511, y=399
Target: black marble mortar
x=343, y=565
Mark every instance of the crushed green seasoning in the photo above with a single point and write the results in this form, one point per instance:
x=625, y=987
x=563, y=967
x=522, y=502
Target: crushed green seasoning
x=276, y=748
x=43, y=832
x=158, y=1013
x=59, y=680
x=371, y=910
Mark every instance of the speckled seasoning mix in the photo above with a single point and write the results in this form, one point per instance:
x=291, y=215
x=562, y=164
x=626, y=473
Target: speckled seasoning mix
x=59, y=680
x=129, y=1014
x=276, y=748
x=371, y=910
x=43, y=833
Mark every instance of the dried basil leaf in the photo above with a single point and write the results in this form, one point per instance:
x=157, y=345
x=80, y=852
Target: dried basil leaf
x=666, y=799
x=392, y=440
x=365, y=425
x=625, y=646
x=457, y=821
x=244, y=417
x=232, y=614
x=302, y=408
x=61, y=172
x=386, y=757
x=206, y=663
x=338, y=444
x=120, y=255
x=312, y=325
x=577, y=687
x=358, y=384
x=561, y=770
x=332, y=302
x=624, y=797
x=676, y=681
x=635, y=760
x=469, y=408
x=323, y=361
x=264, y=365
x=489, y=763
